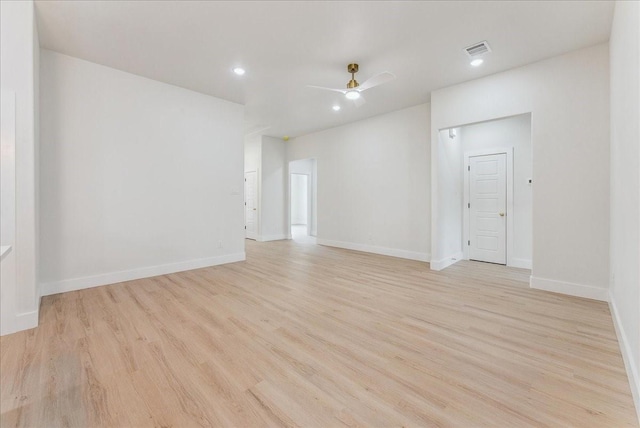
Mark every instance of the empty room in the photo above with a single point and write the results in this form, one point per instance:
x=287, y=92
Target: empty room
x=320, y=213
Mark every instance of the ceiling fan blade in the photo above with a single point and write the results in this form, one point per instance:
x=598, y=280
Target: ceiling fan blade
x=376, y=80
x=359, y=101
x=342, y=91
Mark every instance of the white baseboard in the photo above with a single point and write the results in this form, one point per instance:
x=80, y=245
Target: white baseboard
x=27, y=320
x=23, y=321
x=520, y=263
x=446, y=261
x=267, y=238
x=570, y=288
x=393, y=252
x=130, y=275
x=14, y=323
x=627, y=356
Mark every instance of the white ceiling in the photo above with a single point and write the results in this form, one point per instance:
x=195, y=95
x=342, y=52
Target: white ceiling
x=287, y=45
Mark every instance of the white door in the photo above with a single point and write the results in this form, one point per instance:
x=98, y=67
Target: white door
x=250, y=204
x=487, y=208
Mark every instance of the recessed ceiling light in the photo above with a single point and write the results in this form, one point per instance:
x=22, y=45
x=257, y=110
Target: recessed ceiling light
x=239, y=71
x=336, y=108
x=477, y=62
x=352, y=95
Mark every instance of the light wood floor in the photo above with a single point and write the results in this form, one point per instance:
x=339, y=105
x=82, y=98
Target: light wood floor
x=304, y=335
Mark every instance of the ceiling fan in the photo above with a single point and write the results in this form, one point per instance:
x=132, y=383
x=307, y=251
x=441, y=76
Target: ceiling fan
x=354, y=89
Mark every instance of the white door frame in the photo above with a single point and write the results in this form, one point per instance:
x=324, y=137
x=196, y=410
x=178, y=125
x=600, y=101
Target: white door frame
x=257, y=217
x=465, y=208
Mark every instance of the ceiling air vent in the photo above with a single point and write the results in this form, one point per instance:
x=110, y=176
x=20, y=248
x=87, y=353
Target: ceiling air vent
x=477, y=49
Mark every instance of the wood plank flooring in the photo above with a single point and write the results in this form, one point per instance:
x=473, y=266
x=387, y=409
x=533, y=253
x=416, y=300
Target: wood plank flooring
x=306, y=335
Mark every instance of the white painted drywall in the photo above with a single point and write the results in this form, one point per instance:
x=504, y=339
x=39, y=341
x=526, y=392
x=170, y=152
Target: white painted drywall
x=450, y=177
x=309, y=167
x=273, y=190
x=8, y=211
x=373, y=182
x=138, y=177
x=625, y=185
x=19, y=52
x=513, y=132
x=36, y=154
x=299, y=199
x=252, y=157
x=568, y=97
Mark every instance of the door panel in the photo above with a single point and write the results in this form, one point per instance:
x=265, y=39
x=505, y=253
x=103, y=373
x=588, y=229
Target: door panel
x=487, y=211
x=250, y=204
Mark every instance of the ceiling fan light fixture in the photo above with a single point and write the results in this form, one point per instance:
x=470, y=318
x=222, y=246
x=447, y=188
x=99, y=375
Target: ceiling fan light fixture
x=352, y=95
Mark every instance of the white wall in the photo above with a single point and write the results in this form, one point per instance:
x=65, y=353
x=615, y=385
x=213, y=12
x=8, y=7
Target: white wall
x=513, y=132
x=625, y=185
x=273, y=190
x=252, y=156
x=309, y=167
x=299, y=199
x=450, y=178
x=373, y=182
x=19, y=52
x=8, y=212
x=568, y=97
x=138, y=177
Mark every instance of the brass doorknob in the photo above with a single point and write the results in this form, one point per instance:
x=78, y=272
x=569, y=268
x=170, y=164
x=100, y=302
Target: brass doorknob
x=501, y=214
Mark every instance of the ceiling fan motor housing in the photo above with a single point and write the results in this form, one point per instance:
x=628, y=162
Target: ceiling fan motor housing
x=353, y=69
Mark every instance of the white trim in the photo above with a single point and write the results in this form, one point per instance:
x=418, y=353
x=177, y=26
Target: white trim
x=385, y=251
x=129, y=275
x=20, y=322
x=4, y=250
x=27, y=320
x=570, y=288
x=247, y=234
x=446, y=261
x=267, y=238
x=627, y=356
x=520, y=263
x=510, y=211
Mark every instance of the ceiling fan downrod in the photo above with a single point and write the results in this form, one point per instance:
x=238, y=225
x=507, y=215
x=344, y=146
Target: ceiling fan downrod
x=353, y=69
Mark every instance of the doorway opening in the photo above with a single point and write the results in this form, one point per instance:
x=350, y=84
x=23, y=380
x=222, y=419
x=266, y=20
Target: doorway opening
x=299, y=205
x=485, y=170
x=302, y=200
